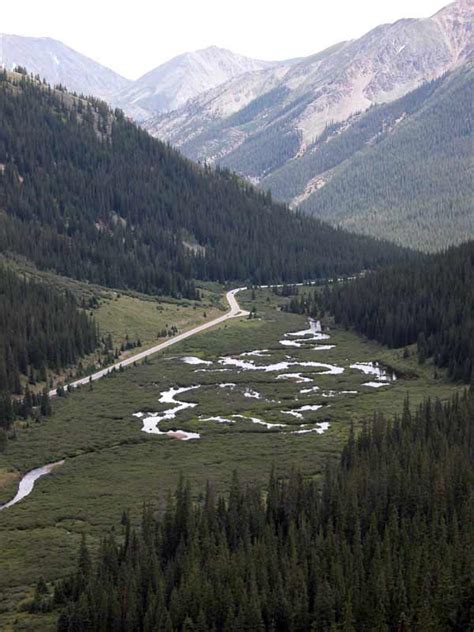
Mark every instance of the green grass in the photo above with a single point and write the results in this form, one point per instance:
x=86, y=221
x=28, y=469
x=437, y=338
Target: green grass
x=144, y=317
x=125, y=314
x=111, y=465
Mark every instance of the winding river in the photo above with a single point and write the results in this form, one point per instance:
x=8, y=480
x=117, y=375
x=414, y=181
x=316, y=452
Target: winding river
x=28, y=482
x=29, y=479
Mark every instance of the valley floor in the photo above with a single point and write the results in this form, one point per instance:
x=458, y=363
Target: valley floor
x=251, y=393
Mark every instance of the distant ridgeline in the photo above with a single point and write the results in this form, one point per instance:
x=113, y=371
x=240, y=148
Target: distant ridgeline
x=386, y=544
x=86, y=193
x=41, y=329
x=430, y=302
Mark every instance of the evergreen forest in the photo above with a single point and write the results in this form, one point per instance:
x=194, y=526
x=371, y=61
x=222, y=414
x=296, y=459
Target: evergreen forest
x=384, y=543
x=430, y=303
x=41, y=329
x=88, y=194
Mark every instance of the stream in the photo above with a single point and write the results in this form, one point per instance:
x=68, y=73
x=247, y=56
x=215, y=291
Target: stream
x=28, y=482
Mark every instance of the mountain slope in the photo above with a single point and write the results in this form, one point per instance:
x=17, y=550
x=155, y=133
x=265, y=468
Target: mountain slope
x=215, y=123
x=59, y=64
x=281, y=121
x=430, y=303
x=42, y=328
x=400, y=170
x=88, y=194
x=170, y=85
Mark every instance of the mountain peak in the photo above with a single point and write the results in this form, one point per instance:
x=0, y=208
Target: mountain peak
x=213, y=48
x=173, y=83
x=58, y=63
x=221, y=51
x=259, y=122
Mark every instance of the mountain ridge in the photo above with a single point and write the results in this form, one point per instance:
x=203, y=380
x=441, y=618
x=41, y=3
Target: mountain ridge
x=90, y=195
x=176, y=81
x=163, y=88
x=399, y=170
x=60, y=64
x=384, y=64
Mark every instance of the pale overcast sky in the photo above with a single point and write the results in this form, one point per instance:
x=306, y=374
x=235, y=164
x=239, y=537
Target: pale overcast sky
x=134, y=36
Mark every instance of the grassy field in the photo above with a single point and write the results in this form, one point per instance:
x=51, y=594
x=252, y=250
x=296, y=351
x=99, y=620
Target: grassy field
x=126, y=314
x=111, y=465
x=140, y=316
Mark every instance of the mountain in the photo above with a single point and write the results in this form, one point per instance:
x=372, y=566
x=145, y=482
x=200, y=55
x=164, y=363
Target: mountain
x=172, y=84
x=59, y=64
x=287, y=110
x=215, y=124
x=164, y=88
x=400, y=170
x=88, y=194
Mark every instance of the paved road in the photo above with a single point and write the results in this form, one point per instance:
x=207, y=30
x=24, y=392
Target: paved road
x=233, y=312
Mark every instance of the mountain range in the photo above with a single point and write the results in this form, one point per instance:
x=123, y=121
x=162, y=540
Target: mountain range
x=316, y=131
x=164, y=88
x=285, y=109
x=295, y=128
x=172, y=84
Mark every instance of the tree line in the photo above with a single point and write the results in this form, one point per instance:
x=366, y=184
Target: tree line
x=384, y=542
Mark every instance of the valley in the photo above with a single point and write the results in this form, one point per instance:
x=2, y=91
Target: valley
x=234, y=311
x=358, y=134
x=249, y=394
x=237, y=320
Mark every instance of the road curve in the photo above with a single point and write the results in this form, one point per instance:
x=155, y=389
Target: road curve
x=234, y=312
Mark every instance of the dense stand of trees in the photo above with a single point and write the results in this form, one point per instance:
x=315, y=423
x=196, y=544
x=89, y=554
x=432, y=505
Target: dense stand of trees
x=87, y=193
x=341, y=141
x=308, y=302
x=263, y=151
x=430, y=302
x=40, y=330
x=385, y=544
x=402, y=170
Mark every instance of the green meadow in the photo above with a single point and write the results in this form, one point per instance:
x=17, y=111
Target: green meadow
x=112, y=465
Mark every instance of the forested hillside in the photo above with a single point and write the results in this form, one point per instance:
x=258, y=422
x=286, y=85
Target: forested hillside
x=385, y=545
x=88, y=194
x=329, y=135
x=430, y=303
x=40, y=330
x=341, y=141
x=401, y=170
